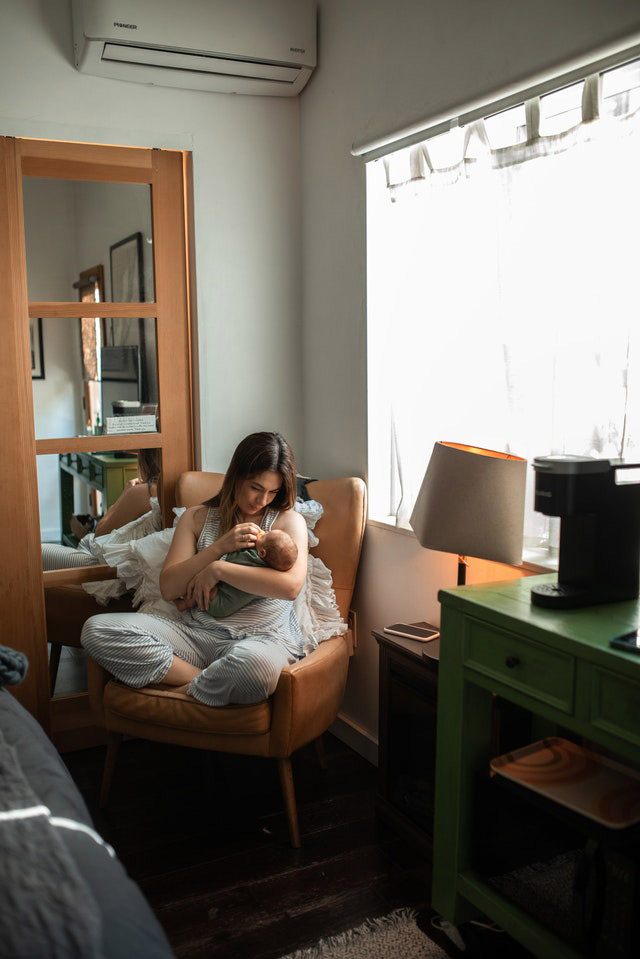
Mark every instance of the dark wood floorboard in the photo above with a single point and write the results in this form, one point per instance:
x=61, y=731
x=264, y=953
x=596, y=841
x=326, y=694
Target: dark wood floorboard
x=205, y=837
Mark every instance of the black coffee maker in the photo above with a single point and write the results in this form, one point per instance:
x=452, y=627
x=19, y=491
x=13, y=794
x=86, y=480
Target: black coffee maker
x=599, y=530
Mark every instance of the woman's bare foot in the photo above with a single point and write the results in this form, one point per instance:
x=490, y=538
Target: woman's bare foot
x=78, y=527
x=180, y=673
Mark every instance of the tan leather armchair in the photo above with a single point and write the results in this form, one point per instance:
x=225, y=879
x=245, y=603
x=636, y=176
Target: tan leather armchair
x=309, y=693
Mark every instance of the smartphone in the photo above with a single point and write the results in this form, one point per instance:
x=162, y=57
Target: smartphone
x=629, y=642
x=421, y=633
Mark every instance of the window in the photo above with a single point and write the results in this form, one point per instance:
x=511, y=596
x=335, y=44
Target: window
x=503, y=304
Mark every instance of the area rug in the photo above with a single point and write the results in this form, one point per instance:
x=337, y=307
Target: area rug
x=395, y=936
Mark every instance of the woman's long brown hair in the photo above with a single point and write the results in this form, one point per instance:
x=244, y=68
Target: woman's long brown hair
x=255, y=454
x=149, y=465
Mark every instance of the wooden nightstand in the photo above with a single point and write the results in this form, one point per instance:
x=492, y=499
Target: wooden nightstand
x=408, y=697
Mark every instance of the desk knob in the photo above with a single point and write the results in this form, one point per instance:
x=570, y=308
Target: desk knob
x=511, y=662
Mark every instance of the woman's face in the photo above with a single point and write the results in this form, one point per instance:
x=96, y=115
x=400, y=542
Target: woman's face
x=256, y=492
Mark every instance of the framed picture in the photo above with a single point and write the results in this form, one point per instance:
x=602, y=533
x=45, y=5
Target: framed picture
x=120, y=363
x=127, y=286
x=127, y=271
x=37, y=354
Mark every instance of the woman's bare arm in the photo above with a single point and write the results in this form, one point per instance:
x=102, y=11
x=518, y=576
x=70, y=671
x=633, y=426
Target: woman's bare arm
x=182, y=562
x=134, y=501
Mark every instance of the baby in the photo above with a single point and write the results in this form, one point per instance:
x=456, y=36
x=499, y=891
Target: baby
x=275, y=549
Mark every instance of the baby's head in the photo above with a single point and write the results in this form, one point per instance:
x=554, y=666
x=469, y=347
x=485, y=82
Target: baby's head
x=277, y=549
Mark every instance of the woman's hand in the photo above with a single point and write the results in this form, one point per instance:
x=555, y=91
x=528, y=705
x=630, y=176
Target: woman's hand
x=202, y=587
x=242, y=536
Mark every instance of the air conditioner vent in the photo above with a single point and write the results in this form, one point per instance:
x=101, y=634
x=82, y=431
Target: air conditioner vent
x=199, y=63
x=257, y=47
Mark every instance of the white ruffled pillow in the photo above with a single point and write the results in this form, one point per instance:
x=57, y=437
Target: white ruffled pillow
x=139, y=563
x=315, y=604
x=311, y=511
x=143, y=526
x=149, y=522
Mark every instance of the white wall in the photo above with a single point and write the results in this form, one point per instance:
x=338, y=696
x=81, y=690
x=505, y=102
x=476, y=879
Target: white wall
x=383, y=66
x=247, y=211
x=108, y=213
x=57, y=398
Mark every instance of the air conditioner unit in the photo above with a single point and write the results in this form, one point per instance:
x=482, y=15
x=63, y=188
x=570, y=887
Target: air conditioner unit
x=258, y=47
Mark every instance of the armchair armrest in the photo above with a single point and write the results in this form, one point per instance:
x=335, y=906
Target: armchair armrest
x=308, y=696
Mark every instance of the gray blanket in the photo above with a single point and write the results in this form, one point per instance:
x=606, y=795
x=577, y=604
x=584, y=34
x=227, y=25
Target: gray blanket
x=55, y=871
x=47, y=908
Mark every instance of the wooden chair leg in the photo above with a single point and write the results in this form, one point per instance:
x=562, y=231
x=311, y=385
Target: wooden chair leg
x=113, y=745
x=320, y=753
x=289, y=796
x=54, y=662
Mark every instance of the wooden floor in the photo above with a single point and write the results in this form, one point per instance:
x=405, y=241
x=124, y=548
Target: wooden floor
x=205, y=837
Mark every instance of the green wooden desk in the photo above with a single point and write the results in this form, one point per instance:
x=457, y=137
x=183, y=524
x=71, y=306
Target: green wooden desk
x=559, y=666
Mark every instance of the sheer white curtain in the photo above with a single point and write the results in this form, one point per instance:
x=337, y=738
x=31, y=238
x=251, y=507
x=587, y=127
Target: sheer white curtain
x=503, y=302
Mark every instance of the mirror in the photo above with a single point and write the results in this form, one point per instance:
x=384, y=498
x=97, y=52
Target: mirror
x=97, y=379
x=86, y=485
x=71, y=224
x=90, y=485
x=82, y=368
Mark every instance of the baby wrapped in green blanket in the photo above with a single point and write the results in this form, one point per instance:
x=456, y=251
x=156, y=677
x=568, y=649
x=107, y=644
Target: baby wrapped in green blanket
x=275, y=549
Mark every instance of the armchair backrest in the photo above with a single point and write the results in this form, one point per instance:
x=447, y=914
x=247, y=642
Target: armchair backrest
x=340, y=530
x=195, y=487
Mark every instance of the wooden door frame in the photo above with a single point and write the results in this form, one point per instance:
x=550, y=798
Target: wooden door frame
x=168, y=174
x=20, y=576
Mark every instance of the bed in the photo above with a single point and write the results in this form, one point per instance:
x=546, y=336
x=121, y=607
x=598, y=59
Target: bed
x=63, y=891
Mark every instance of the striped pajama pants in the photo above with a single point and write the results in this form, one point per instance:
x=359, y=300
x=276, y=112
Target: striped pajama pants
x=56, y=556
x=138, y=649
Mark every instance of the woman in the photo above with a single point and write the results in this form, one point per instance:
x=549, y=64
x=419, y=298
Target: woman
x=237, y=659
x=139, y=496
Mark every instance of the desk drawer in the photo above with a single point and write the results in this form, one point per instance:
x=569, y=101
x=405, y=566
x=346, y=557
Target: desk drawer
x=614, y=704
x=545, y=674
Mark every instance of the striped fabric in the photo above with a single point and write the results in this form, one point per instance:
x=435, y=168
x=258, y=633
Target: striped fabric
x=56, y=556
x=241, y=656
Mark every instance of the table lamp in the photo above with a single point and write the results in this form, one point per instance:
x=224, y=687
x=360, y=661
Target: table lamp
x=471, y=502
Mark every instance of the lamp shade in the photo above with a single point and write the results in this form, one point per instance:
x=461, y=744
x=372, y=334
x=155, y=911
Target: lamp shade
x=471, y=502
